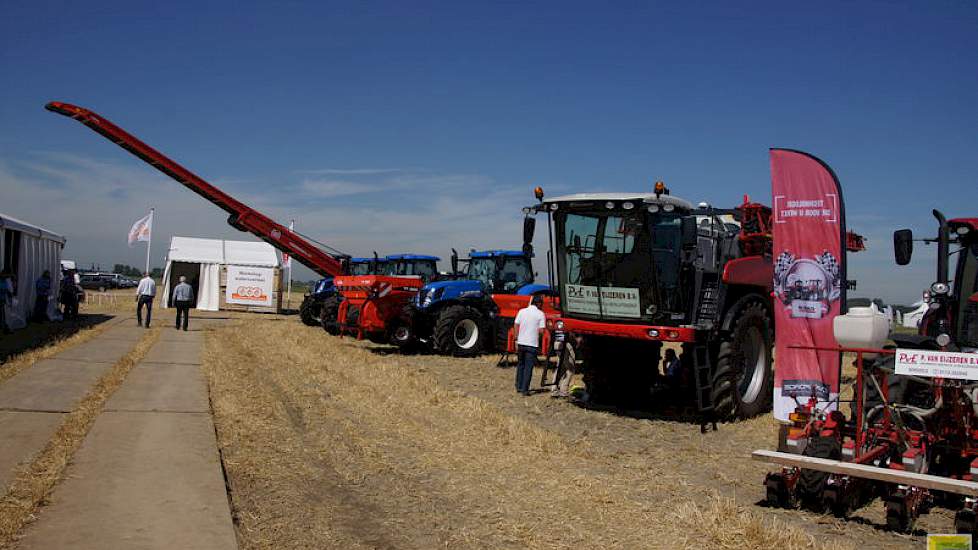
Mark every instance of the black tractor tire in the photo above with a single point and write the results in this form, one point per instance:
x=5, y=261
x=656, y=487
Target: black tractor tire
x=401, y=334
x=621, y=372
x=310, y=312
x=461, y=331
x=811, y=483
x=328, y=314
x=739, y=392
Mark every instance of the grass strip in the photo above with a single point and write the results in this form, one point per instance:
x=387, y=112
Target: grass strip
x=34, y=482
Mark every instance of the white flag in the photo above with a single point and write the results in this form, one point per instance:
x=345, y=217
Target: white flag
x=141, y=229
x=286, y=258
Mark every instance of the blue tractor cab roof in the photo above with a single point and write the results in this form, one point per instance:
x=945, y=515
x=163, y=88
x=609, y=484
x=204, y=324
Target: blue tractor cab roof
x=495, y=253
x=361, y=260
x=413, y=257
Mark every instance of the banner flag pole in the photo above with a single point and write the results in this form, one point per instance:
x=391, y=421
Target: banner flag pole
x=288, y=301
x=149, y=242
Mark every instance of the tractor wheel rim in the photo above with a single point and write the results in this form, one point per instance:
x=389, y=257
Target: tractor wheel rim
x=466, y=333
x=755, y=365
x=401, y=334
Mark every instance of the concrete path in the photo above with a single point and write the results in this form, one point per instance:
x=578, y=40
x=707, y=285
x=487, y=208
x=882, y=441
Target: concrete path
x=33, y=403
x=148, y=475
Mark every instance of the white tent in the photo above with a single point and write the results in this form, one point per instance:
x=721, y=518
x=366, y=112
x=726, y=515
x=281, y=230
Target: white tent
x=204, y=262
x=27, y=251
x=911, y=319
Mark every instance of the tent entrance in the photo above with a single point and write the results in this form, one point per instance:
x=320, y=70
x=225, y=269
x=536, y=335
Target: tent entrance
x=190, y=270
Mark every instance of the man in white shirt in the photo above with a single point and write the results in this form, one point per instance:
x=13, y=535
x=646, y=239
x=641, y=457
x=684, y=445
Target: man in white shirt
x=528, y=326
x=145, y=293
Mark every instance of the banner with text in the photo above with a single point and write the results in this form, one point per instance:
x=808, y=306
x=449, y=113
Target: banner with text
x=809, y=278
x=249, y=285
x=937, y=364
x=611, y=301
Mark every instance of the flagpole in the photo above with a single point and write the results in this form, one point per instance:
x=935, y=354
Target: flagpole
x=288, y=301
x=149, y=243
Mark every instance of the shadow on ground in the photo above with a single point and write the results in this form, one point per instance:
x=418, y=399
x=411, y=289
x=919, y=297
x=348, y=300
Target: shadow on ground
x=37, y=335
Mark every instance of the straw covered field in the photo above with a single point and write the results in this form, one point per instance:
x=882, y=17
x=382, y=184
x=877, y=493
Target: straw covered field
x=333, y=443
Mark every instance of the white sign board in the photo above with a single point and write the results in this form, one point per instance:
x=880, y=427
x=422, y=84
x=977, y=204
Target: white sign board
x=937, y=364
x=249, y=285
x=613, y=301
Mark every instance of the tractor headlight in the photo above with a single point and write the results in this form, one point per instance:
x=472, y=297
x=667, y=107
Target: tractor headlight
x=609, y=205
x=943, y=340
x=653, y=208
x=939, y=288
x=668, y=207
x=559, y=324
x=553, y=206
x=962, y=230
x=526, y=211
x=627, y=205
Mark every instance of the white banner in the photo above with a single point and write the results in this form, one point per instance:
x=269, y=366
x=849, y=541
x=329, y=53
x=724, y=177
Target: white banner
x=937, y=364
x=140, y=231
x=249, y=285
x=614, y=301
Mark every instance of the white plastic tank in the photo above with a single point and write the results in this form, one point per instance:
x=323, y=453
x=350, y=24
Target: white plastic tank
x=862, y=327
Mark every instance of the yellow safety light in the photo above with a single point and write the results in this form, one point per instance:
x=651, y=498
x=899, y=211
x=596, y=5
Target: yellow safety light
x=660, y=188
x=538, y=193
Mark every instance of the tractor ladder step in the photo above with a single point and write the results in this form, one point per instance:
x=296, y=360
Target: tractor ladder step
x=709, y=300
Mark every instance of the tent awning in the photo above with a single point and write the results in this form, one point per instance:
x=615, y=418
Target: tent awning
x=8, y=222
x=218, y=251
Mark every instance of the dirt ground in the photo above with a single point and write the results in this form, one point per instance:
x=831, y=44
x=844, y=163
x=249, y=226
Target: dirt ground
x=333, y=443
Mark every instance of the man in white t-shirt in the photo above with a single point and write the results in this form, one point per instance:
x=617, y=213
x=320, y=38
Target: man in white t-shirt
x=145, y=293
x=528, y=326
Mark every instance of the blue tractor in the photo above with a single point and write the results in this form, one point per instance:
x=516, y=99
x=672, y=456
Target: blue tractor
x=323, y=291
x=461, y=316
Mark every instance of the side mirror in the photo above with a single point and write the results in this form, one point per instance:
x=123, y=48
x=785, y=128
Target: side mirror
x=529, y=227
x=902, y=246
x=345, y=265
x=454, y=262
x=689, y=232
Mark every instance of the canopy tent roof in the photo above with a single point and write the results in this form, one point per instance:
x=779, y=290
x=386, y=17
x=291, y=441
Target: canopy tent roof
x=8, y=222
x=219, y=251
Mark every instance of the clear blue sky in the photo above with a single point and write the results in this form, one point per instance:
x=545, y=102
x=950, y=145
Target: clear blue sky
x=419, y=126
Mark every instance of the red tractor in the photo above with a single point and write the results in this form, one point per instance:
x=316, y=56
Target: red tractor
x=640, y=270
x=911, y=436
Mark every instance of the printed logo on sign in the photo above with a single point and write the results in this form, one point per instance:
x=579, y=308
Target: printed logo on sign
x=251, y=293
x=611, y=301
x=937, y=364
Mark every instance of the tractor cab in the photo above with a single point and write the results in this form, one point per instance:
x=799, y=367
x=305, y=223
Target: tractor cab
x=643, y=258
x=417, y=265
x=366, y=266
x=952, y=317
x=500, y=271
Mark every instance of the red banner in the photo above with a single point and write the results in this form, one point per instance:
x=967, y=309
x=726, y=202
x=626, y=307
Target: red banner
x=809, y=278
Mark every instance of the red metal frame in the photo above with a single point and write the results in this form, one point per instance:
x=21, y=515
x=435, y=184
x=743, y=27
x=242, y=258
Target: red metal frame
x=380, y=299
x=621, y=330
x=242, y=216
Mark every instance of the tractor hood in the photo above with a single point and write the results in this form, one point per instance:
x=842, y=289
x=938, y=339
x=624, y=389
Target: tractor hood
x=450, y=290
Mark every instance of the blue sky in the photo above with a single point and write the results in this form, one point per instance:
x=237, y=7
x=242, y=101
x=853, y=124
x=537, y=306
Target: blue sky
x=395, y=127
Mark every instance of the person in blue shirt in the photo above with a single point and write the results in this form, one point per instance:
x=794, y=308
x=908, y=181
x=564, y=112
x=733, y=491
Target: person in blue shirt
x=183, y=299
x=42, y=291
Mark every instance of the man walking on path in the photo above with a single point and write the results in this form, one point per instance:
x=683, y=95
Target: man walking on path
x=42, y=289
x=529, y=325
x=145, y=293
x=183, y=297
